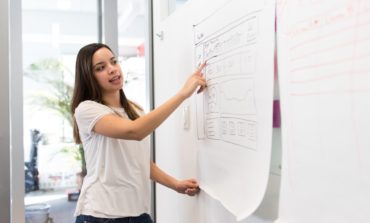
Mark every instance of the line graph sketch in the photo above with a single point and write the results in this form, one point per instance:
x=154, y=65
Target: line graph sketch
x=231, y=97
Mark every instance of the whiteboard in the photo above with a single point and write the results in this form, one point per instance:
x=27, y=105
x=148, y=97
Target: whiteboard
x=234, y=115
x=324, y=72
x=180, y=150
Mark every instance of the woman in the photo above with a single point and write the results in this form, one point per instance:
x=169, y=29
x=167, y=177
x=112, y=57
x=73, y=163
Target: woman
x=114, y=133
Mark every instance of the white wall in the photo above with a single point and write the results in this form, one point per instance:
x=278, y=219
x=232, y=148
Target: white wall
x=16, y=112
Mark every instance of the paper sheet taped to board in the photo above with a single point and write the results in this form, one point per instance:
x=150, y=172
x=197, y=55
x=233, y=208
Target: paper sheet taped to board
x=324, y=72
x=234, y=115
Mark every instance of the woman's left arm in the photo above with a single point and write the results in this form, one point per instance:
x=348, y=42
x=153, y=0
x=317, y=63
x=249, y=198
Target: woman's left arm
x=189, y=186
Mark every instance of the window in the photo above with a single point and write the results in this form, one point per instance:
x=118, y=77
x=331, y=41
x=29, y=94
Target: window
x=53, y=32
x=132, y=31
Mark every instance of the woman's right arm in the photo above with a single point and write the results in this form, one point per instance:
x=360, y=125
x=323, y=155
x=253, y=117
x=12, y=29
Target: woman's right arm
x=117, y=127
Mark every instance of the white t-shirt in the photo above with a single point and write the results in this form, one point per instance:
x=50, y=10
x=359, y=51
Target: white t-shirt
x=117, y=183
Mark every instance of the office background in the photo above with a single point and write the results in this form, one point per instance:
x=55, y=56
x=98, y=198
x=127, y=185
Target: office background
x=175, y=153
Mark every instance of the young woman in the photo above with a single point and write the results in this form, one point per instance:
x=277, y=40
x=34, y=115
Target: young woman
x=113, y=131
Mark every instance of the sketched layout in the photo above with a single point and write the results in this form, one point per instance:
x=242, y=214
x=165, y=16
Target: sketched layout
x=227, y=111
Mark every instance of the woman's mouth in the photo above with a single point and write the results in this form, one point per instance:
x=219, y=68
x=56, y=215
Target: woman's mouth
x=115, y=79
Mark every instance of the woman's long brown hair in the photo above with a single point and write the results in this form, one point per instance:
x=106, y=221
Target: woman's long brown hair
x=86, y=87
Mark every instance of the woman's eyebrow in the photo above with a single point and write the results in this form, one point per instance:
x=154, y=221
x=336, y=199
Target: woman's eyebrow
x=102, y=62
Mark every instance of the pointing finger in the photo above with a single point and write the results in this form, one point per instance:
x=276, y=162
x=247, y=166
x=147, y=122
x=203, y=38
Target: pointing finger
x=200, y=68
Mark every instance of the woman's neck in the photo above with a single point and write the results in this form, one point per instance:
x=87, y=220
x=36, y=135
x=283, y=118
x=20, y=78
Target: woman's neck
x=112, y=99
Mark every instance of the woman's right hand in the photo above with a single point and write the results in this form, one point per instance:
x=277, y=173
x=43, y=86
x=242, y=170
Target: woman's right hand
x=194, y=81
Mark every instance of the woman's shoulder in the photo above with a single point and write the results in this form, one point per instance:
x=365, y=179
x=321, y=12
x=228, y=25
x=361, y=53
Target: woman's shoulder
x=90, y=105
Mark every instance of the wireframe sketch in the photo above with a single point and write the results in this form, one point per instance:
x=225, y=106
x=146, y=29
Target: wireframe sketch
x=227, y=111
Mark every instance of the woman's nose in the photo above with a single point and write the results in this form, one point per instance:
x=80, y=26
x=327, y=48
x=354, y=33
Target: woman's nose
x=112, y=68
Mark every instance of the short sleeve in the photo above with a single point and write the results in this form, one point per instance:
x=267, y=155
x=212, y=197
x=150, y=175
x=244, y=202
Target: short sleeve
x=87, y=114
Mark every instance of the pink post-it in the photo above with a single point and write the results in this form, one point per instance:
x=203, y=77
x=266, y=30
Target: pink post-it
x=276, y=114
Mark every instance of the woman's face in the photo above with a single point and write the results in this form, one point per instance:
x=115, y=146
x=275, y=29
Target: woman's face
x=107, y=70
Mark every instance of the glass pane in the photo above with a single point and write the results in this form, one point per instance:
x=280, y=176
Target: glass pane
x=53, y=32
x=175, y=4
x=132, y=31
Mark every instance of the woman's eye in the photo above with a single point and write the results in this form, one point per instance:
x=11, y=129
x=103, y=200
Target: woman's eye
x=114, y=62
x=100, y=68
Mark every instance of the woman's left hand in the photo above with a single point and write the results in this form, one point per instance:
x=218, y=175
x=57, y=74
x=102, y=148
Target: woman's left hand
x=189, y=187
